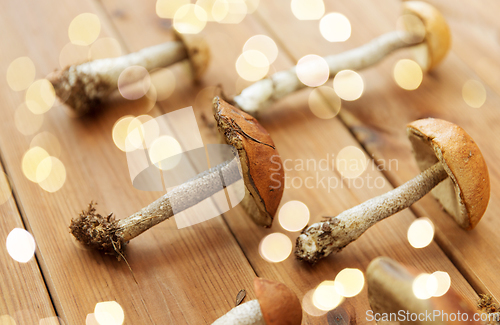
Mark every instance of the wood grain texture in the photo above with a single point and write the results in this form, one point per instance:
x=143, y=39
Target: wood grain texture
x=187, y=276
x=298, y=134
x=192, y=275
x=25, y=298
x=379, y=117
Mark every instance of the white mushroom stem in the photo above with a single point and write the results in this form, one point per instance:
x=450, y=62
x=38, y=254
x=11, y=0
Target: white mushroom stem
x=323, y=238
x=111, y=235
x=245, y=314
x=86, y=84
x=261, y=94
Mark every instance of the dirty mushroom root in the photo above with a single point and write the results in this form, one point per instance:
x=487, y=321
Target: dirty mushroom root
x=276, y=304
x=83, y=87
x=390, y=290
x=427, y=35
x=452, y=167
x=256, y=155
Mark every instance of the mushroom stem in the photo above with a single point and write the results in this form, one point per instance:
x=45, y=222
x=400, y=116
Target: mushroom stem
x=111, y=236
x=86, y=85
x=248, y=313
x=264, y=92
x=323, y=238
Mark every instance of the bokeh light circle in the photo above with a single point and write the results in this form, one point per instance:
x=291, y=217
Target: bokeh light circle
x=408, y=74
x=421, y=232
x=190, y=19
x=20, y=245
x=263, y=44
x=134, y=82
x=326, y=297
x=474, y=93
x=168, y=8
x=348, y=85
x=120, y=132
x=335, y=27
x=351, y=162
x=84, y=29
x=294, y=215
x=424, y=286
x=21, y=73
x=165, y=152
x=312, y=70
x=324, y=102
x=443, y=283
x=275, y=247
x=252, y=65
x=308, y=9
x=229, y=11
x=51, y=174
x=349, y=282
x=109, y=313
x=31, y=159
x=40, y=96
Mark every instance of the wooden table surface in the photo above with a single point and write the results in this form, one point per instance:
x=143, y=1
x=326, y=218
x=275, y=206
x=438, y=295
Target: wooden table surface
x=192, y=275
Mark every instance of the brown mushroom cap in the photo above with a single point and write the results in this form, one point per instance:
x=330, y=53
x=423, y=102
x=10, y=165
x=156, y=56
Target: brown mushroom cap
x=198, y=52
x=466, y=192
x=260, y=162
x=390, y=289
x=437, y=33
x=278, y=304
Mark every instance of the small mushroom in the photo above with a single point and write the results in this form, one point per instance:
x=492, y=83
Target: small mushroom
x=452, y=165
x=257, y=155
x=390, y=290
x=83, y=87
x=430, y=46
x=276, y=304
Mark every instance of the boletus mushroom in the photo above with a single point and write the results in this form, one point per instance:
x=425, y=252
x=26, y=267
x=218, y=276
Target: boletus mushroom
x=429, y=39
x=390, y=290
x=263, y=194
x=452, y=167
x=84, y=86
x=276, y=304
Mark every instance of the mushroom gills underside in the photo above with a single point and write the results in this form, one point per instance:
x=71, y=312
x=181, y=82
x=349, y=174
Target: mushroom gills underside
x=447, y=192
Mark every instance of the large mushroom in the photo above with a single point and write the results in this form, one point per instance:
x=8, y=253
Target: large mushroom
x=452, y=167
x=428, y=36
x=276, y=304
x=257, y=156
x=83, y=87
x=390, y=291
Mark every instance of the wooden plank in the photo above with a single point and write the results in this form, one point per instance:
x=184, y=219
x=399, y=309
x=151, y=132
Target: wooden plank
x=298, y=135
x=187, y=276
x=379, y=117
x=25, y=298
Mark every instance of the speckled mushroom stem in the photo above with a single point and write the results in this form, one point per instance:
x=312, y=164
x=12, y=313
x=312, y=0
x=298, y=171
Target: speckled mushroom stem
x=248, y=313
x=111, y=236
x=261, y=94
x=85, y=85
x=179, y=199
x=323, y=238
